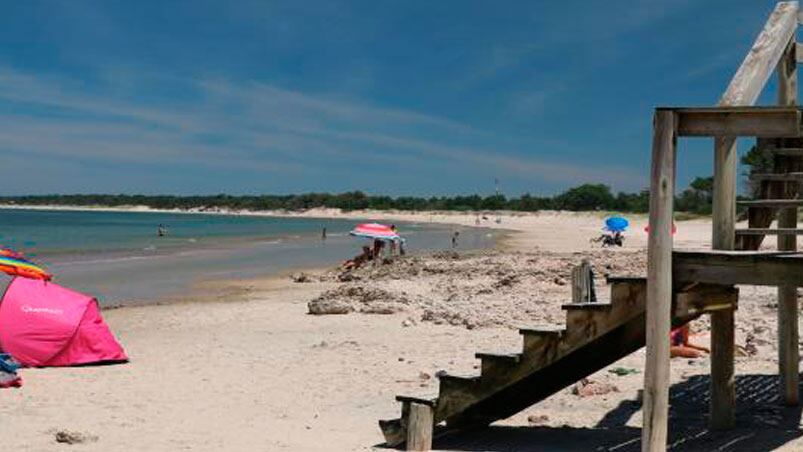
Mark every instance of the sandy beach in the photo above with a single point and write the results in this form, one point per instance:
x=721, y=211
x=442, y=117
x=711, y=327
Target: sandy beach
x=251, y=369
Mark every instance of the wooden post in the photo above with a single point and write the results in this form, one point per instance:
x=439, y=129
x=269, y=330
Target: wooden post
x=788, y=353
x=659, y=283
x=583, y=283
x=419, y=427
x=723, y=395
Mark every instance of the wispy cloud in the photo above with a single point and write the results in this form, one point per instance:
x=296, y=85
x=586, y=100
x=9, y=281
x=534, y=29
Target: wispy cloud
x=253, y=127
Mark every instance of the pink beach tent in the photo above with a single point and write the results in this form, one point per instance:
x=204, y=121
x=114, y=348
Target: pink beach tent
x=44, y=324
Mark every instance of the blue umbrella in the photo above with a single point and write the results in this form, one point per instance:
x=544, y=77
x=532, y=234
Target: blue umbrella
x=616, y=224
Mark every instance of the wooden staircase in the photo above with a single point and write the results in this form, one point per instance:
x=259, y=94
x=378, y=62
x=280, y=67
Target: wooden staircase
x=595, y=336
x=778, y=191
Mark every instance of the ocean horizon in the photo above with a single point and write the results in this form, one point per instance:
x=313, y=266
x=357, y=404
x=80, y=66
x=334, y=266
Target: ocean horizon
x=119, y=258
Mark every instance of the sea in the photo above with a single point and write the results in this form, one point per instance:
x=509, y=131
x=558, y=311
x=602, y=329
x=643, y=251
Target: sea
x=119, y=258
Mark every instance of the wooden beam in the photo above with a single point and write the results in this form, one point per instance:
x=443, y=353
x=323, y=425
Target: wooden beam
x=771, y=203
x=738, y=267
x=419, y=427
x=659, y=283
x=723, y=389
x=788, y=350
x=743, y=90
x=766, y=231
x=763, y=57
x=770, y=122
x=783, y=177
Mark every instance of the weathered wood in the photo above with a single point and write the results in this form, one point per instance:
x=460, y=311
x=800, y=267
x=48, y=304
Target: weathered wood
x=788, y=350
x=419, y=427
x=769, y=231
x=583, y=283
x=723, y=390
x=771, y=122
x=659, y=283
x=772, y=203
x=752, y=75
x=743, y=90
x=704, y=299
x=781, y=177
x=791, y=152
x=740, y=267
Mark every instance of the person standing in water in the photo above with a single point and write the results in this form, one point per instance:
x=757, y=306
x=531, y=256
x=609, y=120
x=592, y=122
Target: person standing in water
x=323, y=234
x=454, y=238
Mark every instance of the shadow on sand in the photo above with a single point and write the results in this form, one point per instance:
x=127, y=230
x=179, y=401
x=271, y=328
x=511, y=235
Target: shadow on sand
x=762, y=423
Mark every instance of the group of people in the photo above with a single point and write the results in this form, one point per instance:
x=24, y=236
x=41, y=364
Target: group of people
x=375, y=253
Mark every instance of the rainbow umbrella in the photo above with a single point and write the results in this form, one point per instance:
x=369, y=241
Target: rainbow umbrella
x=15, y=264
x=375, y=231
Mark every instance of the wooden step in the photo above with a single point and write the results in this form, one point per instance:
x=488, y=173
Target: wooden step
x=536, y=339
x=772, y=203
x=496, y=366
x=458, y=383
x=424, y=400
x=789, y=152
x=586, y=306
x=768, y=231
x=626, y=279
x=781, y=177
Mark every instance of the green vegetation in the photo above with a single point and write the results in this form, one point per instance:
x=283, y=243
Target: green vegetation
x=696, y=199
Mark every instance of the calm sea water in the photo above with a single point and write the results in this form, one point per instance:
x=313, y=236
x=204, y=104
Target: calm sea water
x=118, y=257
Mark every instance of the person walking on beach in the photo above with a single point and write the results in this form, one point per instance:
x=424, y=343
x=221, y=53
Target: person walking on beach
x=454, y=238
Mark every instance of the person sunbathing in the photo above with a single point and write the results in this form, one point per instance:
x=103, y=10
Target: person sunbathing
x=679, y=345
x=358, y=260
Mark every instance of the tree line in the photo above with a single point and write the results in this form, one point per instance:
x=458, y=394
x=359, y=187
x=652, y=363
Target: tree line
x=696, y=199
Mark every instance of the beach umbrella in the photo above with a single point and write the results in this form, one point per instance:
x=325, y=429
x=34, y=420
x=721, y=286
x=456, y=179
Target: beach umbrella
x=616, y=224
x=15, y=264
x=375, y=231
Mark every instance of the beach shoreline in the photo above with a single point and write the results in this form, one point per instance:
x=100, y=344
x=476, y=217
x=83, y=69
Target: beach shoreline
x=288, y=380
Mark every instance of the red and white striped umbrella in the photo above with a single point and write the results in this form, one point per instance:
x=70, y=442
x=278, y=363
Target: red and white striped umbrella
x=375, y=231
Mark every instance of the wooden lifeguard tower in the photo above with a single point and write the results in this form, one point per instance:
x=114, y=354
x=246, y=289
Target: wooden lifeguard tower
x=680, y=285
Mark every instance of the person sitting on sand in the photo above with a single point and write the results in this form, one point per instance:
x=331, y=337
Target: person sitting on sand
x=358, y=260
x=680, y=345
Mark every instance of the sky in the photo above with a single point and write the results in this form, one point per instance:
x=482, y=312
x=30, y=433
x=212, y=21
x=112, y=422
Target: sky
x=388, y=97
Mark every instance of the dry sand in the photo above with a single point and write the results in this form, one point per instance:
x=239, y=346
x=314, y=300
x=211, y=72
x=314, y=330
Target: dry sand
x=252, y=370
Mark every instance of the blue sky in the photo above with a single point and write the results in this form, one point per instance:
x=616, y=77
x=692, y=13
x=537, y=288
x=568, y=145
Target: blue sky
x=393, y=97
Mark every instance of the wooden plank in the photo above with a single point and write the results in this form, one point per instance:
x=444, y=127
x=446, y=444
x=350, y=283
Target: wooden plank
x=659, y=283
x=763, y=57
x=751, y=268
x=419, y=427
x=773, y=122
x=791, y=152
x=771, y=203
x=781, y=177
x=769, y=231
x=788, y=350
